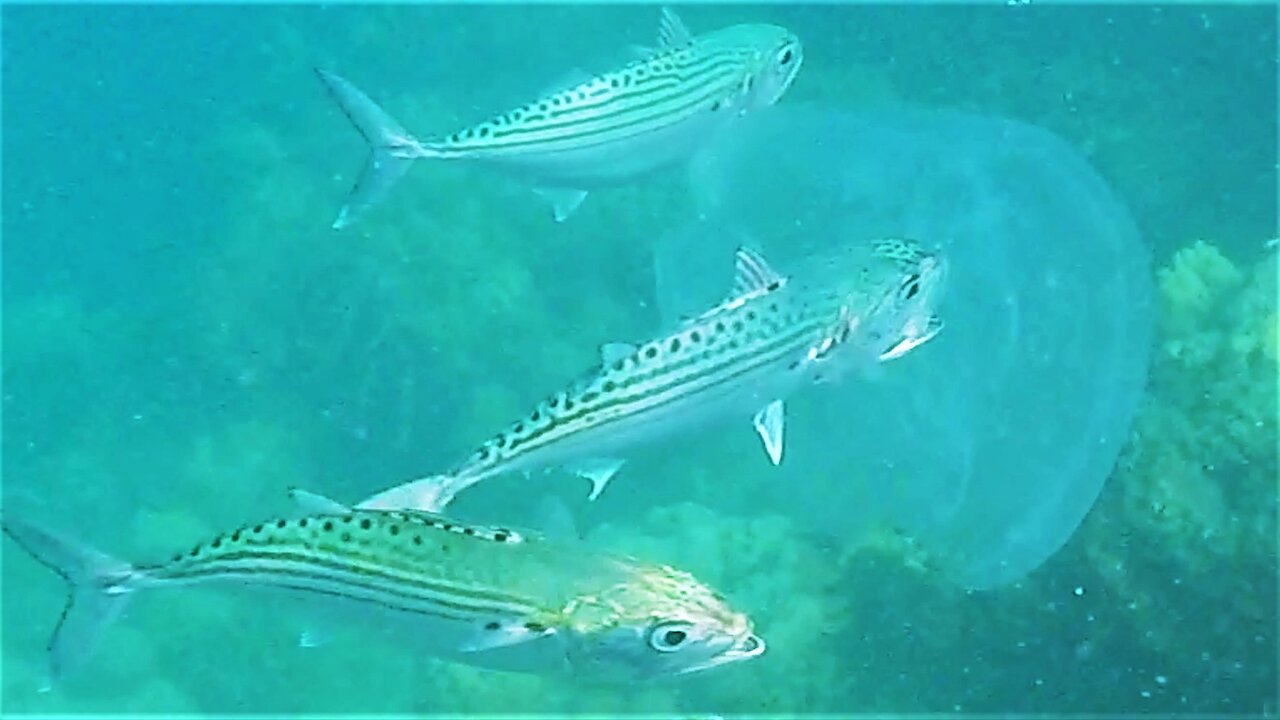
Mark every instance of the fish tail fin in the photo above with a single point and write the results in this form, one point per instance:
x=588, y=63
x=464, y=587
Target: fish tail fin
x=429, y=494
x=391, y=148
x=98, y=593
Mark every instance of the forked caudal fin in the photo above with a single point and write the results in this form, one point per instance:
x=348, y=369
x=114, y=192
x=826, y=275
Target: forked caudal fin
x=429, y=494
x=391, y=148
x=98, y=593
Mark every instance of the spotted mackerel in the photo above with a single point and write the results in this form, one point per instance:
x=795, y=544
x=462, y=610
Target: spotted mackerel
x=600, y=131
x=487, y=596
x=870, y=303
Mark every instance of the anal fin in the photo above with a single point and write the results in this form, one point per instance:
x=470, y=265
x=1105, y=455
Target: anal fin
x=564, y=201
x=598, y=470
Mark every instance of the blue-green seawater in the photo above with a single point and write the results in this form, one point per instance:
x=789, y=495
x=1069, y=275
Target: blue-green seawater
x=185, y=338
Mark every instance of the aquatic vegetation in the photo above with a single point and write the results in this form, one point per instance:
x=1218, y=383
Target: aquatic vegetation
x=279, y=353
x=1201, y=470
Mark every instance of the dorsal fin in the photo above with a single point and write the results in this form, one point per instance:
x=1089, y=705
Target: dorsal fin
x=672, y=32
x=753, y=275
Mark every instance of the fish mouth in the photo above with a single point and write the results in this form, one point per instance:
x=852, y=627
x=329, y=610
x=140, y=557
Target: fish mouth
x=745, y=648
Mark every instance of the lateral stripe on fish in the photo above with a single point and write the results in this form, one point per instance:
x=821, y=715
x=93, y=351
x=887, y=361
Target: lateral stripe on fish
x=342, y=565
x=356, y=584
x=629, y=110
x=663, y=385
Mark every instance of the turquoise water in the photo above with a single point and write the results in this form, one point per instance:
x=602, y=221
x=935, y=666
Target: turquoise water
x=185, y=339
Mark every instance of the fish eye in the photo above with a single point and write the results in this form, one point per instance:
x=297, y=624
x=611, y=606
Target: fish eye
x=912, y=286
x=668, y=637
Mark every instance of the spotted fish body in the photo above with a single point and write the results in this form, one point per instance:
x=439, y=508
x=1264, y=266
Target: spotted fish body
x=608, y=129
x=772, y=336
x=487, y=596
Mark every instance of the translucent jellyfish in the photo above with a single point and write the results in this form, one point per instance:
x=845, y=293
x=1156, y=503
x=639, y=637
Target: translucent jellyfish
x=990, y=443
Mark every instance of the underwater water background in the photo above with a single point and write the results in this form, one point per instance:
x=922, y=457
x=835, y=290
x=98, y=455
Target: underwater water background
x=185, y=338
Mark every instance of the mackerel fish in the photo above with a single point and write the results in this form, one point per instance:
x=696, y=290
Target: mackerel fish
x=487, y=596
x=864, y=305
x=606, y=130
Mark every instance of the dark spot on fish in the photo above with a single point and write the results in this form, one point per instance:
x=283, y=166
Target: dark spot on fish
x=715, y=105
x=217, y=542
x=554, y=402
x=695, y=337
x=568, y=404
x=177, y=558
x=619, y=364
x=651, y=352
x=535, y=416
x=492, y=625
x=417, y=539
x=751, y=315
x=535, y=627
x=394, y=529
x=500, y=536
x=468, y=531
x=720, y=327
x=500, y=440
x=456, y=137
x=610, y=386
x=615, y=82
x=519, y=427
x=640, y=72
x=556, y=101
x=302, y=523
x=346, y=537
x=543, y=107
x=349, y=519
x=483, y=131
x=281, y=523
x=516, y=115
x=773, y=308
x=675, y=344
x=582, y=95
x=774, y=286
x=257, y=528
x=589, y=396
x=235, y=536
x=737, y=326
x=447, y=526
x=328, y=526
x=365, y=523
x=483, y=453
x=194, y=551
x=915, y=288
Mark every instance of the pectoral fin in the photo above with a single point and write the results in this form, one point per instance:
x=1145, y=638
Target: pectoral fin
x=563, y=200
x=769, y=423
x=914, y=338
